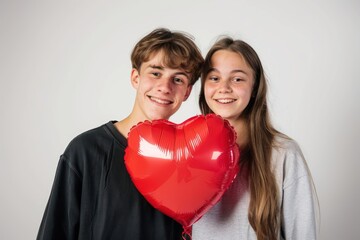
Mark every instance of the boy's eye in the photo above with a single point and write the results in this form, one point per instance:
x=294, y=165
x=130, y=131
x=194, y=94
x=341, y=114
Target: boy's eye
x=178, y=80
x=156, y=74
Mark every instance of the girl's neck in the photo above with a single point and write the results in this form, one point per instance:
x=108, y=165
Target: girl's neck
x=242, y=132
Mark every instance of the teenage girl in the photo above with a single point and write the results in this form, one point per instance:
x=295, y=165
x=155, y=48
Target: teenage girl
x=273, y=196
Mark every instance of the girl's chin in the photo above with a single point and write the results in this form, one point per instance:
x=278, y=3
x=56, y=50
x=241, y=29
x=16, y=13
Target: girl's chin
x=226, y=116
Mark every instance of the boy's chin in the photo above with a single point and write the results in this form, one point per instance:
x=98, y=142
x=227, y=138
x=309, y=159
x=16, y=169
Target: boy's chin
x=159, y=116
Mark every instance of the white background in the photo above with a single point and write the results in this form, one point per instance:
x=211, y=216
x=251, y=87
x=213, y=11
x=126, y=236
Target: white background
x=65, y=67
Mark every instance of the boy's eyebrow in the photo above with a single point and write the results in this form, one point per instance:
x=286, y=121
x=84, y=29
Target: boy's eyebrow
x=183, y=73
x=186, y=74
x=156, y=67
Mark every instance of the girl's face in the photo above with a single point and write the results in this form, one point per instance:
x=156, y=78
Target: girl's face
x=228, y=85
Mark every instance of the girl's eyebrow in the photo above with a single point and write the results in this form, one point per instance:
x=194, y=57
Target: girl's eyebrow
x=233, y=71
x=213, y=70
x=240, y=71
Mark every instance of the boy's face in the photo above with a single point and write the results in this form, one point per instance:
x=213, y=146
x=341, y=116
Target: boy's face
x=160, y=90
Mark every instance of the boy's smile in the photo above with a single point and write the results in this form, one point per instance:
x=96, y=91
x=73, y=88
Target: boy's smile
x=160, y=89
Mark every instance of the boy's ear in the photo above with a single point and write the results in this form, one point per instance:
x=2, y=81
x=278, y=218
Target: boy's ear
x=187, y=94
x=134, y=78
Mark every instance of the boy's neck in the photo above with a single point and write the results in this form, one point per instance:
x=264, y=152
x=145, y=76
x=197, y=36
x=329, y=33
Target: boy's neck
x=124, y=125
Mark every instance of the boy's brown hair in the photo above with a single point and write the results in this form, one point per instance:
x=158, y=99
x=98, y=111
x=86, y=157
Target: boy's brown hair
x=179, y=51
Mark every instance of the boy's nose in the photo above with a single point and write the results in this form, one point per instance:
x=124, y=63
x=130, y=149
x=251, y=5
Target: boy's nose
x=164, y=85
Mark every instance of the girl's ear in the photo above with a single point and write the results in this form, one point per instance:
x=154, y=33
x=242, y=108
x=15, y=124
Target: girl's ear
x=135, y=78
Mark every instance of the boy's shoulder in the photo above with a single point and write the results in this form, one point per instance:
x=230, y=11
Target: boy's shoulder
x=84, y=151
x=88, y=141
x=88, y=137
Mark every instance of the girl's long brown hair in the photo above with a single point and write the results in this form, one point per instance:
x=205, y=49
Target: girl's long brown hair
x=264, y=203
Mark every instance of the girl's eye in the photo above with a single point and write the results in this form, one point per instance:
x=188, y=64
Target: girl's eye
x=237, y=79
x=213, y=78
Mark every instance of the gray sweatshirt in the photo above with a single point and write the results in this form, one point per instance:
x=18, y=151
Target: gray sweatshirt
x=228, y=219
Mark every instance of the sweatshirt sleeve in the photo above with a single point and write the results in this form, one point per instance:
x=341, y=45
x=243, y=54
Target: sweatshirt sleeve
x=61, y=216
x=299, y=205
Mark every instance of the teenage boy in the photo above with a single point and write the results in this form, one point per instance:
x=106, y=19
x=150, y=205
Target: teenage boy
x=92, y=196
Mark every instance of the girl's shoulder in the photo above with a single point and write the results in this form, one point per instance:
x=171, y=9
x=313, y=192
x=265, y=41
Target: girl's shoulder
x=285, y=144
x=288, y=160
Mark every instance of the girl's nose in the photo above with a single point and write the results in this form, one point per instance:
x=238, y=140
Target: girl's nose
x=225, y=87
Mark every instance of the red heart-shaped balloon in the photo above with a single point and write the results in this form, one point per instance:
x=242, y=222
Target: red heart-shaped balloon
x=183, y=169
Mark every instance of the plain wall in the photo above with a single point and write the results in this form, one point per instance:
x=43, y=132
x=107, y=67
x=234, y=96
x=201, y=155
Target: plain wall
x=65, y=68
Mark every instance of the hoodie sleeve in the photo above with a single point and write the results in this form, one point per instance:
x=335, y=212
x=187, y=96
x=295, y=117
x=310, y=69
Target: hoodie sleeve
x=61, y=216
x=299, y=203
